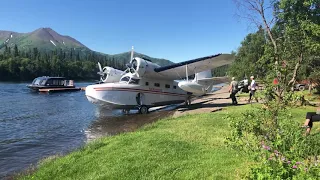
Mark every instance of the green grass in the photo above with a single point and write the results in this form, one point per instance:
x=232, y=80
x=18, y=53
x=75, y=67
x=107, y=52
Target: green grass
x=313, y=97
x=188, y=147
x=310, y=97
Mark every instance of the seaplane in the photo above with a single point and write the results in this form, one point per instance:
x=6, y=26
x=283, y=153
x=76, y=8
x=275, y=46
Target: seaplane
x=145, y=84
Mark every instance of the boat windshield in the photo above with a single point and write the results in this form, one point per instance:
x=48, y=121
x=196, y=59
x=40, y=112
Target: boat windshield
x=132, y=80
x=37, y=81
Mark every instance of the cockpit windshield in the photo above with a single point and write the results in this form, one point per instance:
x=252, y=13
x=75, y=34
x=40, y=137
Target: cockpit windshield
x=131, y=81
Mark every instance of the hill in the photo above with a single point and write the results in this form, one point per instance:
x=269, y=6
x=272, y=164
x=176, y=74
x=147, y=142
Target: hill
x=42, y=38
x=47, y=40
x=24, y=56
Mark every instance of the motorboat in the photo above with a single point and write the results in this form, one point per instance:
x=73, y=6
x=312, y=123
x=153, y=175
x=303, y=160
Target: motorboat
x=46, y=82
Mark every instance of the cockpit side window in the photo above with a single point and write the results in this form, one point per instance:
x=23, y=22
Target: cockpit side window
x=134, y=81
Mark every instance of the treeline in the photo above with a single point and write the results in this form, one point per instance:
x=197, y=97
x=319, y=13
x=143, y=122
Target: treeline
x=26, y=65
x=16, y=65
x=286, y=47
x=220, y=71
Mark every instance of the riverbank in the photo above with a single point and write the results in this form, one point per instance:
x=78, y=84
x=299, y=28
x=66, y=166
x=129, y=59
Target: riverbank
x=187, y=146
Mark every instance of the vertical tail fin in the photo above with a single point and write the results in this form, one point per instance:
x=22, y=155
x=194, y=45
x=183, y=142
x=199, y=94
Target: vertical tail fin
x=204, y=78
x=203, y=75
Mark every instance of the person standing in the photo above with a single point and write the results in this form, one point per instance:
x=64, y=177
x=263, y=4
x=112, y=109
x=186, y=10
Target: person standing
x=233, y=89
x=253, y=88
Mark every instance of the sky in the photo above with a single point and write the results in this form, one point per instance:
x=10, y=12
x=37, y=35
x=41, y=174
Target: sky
x=177, y=30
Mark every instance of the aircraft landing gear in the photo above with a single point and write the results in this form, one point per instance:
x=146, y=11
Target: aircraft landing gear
x=187, y=102
x=143, y=109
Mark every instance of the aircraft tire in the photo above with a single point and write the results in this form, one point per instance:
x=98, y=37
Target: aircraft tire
x=143, y=109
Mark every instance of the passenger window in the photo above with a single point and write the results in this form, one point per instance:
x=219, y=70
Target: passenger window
x=174, y=87
x=49, y=82
x=156, y=84
x=167, y=86
x=147, y=83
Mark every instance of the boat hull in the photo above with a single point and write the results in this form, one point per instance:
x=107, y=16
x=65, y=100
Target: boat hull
x=114, y=96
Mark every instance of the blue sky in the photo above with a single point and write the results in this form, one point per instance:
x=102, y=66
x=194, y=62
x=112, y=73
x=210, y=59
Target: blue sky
x=177, y=30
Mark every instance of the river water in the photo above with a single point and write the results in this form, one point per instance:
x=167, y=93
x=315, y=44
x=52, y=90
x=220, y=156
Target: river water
x=34, y=126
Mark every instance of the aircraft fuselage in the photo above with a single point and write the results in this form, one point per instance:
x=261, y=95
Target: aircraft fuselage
x=124, y=95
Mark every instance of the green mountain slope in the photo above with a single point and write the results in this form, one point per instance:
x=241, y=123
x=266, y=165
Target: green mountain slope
x=42, y=38
x=24, y=56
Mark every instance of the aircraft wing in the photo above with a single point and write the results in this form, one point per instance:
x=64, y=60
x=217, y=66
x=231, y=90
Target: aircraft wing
x=178, y=70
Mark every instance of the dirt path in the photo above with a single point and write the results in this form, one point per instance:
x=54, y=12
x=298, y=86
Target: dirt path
x=209, y=103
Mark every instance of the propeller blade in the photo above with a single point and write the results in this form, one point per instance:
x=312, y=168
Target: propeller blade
x=100, y=68
x=129, y=65
x=125, y=71
x=131, y=53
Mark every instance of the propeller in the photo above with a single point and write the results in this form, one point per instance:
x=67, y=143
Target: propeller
x=100, y=69
x=132, y=65
x=103, y=72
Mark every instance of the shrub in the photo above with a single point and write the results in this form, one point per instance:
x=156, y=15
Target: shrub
x=277, y=143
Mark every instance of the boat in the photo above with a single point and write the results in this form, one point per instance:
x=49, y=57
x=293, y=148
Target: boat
x=50, y=84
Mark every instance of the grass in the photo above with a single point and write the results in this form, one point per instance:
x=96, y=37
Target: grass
x=313, y=97
x=188, y=147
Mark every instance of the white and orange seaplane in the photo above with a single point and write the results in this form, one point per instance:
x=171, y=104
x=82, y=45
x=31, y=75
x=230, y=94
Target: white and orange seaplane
x=145, y=84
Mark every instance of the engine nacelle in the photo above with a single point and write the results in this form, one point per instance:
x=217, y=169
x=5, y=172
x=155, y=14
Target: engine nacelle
x=111, y=75
x=142, y=67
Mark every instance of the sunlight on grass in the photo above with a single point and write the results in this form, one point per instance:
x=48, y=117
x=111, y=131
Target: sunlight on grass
x=188, y=147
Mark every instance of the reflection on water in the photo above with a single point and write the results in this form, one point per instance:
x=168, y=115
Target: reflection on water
x=110, y=123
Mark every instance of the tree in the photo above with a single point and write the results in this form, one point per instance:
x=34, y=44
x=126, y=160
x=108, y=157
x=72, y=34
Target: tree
x=16, y=51
x=248, y=58
x=300, y=32
x=255, y=11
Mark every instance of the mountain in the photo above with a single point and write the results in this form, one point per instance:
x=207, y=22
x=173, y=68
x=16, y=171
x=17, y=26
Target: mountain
x=126, y=56
x=42, y=38
x=46, y=40
x=44, y=52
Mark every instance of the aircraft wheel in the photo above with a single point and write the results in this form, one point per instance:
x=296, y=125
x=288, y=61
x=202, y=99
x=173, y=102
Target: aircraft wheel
x=188, y=101
x=143, y=109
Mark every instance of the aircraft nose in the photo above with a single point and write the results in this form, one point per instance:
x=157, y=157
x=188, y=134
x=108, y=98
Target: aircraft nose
x=89, y=90
x=91, y=94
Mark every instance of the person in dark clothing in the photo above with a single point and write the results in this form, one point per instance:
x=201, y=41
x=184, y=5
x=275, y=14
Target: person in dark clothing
x=310, y=118
x=233, y=89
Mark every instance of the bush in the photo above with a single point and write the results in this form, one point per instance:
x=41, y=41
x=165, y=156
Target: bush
x=277, y=143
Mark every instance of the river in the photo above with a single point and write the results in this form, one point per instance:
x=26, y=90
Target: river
x=34, y=126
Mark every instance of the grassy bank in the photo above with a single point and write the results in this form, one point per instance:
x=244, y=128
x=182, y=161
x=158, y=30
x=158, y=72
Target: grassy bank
x=188, y=147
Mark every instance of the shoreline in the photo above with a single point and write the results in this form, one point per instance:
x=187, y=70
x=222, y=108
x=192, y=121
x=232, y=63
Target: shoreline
x=134, y=122
x=168, y=143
